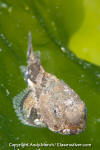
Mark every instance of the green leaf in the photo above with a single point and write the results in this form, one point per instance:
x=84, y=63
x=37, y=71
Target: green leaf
x=56, y=26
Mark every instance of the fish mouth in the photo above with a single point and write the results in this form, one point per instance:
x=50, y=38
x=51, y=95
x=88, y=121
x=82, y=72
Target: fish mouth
x=72, y=129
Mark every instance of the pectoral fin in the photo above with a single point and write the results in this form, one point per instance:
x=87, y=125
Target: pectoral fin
x=25, y=108
x=18, y=104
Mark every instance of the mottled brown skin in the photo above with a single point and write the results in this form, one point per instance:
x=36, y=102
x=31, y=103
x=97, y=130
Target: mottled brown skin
x=59, y=114
x=50, y=101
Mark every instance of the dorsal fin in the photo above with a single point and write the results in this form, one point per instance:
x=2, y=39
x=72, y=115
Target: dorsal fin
x=30, y=55
x=33, y=64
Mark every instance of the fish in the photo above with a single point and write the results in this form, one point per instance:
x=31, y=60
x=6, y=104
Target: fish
x=48, y=101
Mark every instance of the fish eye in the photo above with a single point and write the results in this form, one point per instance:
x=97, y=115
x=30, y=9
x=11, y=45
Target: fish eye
x=55, y=111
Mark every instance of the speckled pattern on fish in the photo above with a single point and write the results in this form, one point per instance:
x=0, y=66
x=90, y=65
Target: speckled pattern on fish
x=48, y=101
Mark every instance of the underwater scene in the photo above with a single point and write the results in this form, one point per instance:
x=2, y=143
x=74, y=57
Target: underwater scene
x=62, y=61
